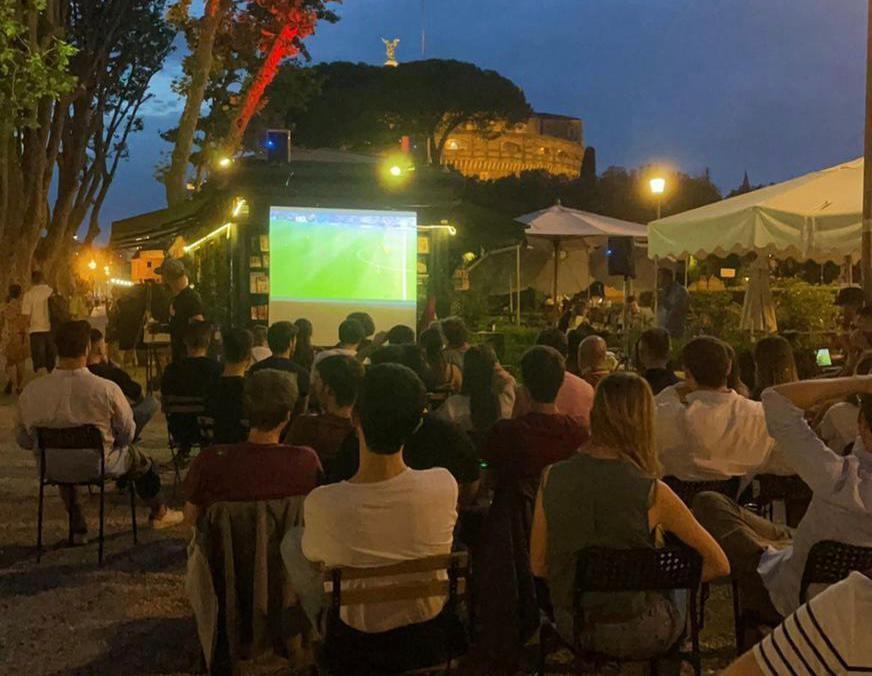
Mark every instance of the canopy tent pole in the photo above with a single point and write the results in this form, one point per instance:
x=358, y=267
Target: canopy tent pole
x=556, y=263
x=656, y=281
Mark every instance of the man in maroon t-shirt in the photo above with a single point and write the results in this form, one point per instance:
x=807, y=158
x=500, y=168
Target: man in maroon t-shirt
x=260, y=468
x=522, y=447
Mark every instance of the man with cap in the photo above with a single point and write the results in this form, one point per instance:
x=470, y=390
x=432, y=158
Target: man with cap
x=185, y=306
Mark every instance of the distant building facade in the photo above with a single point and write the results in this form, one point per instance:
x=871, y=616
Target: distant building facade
x=553, y=143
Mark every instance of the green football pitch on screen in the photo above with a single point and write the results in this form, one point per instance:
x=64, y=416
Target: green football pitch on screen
x=342, y=255
x=328, y=263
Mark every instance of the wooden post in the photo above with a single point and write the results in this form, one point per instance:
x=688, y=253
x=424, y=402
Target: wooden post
x=518, y=281
x=866, y=248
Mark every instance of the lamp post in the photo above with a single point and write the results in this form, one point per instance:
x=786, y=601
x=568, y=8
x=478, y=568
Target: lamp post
x=658, y=185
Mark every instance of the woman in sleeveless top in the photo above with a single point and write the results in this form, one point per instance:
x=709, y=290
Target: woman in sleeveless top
x=609, y=495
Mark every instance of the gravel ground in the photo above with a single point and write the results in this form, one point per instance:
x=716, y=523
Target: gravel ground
x=66, y=616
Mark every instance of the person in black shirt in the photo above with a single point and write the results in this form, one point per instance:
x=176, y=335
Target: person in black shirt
x=225, y=401
x=185, y=307
x=192, y=377
x=99, y=364
x=653, y=354
x=282, y=339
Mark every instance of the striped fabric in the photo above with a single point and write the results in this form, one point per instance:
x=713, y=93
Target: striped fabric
x=832, y=634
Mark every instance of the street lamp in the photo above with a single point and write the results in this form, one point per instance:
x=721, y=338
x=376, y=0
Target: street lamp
x=658, y=185
x=225, y=162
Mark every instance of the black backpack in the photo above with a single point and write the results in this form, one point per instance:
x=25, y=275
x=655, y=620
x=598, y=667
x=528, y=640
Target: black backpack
x=58, y=310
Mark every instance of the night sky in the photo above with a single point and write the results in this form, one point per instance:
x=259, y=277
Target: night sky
x=774, y=87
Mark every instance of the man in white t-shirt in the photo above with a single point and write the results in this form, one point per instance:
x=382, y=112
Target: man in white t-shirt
x=707, y=432
x=34, y=305
x=386, y=514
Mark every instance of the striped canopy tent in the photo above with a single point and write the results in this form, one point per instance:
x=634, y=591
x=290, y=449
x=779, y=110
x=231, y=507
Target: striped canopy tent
x=817, y=216
x=568, y=228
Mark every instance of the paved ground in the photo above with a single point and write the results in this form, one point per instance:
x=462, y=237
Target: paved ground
x=66, y=616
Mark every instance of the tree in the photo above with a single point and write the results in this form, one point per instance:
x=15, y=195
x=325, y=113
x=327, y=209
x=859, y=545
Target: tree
x=34, y=62
x=362, y=106
x=122, y=44
x=275, y=30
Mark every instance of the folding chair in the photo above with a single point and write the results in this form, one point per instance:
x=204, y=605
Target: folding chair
x=382, y=587
x=791, y=490
x=829, y=562
x=82, y=449
x=601, y=569
x=687, y=491
x=182, y=414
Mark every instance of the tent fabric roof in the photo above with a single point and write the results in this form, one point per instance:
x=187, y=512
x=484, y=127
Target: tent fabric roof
x=561, y=223
x=153, y=228
x=817, y=216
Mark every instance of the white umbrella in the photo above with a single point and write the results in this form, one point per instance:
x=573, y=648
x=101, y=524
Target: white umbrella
x=818, y=216
x=563, y=226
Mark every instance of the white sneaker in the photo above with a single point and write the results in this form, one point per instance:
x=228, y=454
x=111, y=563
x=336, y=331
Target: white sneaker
x=171, y=517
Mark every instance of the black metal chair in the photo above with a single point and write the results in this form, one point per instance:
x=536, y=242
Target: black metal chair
x=183, y=426
x=829, y=562
x=625, y=570
x=84, y=446
x=688, y=490
x=790, y=490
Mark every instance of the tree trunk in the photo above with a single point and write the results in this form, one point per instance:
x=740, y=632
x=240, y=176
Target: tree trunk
x=282, y=47
x=174, y=180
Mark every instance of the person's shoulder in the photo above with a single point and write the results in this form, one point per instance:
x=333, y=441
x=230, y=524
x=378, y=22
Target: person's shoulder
x=325, y=499
x=436, y=480
x=301, y=453
x=668, y=395
x=577, y=382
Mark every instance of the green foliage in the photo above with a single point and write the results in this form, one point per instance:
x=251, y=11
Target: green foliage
x=800, y=306
x=32, y=68
x=365, y=107
x=715, y=313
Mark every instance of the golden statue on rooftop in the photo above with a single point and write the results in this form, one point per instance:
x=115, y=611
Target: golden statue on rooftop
x=391, y=51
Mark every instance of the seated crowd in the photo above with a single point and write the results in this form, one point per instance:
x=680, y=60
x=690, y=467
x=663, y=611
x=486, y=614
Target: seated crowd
x=396, y=442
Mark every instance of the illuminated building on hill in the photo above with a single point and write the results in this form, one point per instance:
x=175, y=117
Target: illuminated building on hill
x=553, y=143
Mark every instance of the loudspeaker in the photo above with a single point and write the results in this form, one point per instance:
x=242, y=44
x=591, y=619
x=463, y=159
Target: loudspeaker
x=620, y=255
x=278, y=146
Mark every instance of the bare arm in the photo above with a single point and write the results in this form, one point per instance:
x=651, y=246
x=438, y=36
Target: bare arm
x=806, y=393
x=539, y=534
x=192, y=514
x=671, y=513
x=468, y=492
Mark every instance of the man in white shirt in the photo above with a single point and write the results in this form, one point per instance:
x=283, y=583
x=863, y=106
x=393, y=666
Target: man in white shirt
x=386, y=513
x=769, y=560
x=34, y=305
x=705, y=431
x=828, y=635
x=351, y=335
x=71, y=396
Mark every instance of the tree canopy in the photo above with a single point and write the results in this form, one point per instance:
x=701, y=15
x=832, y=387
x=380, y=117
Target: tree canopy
x=364, y=107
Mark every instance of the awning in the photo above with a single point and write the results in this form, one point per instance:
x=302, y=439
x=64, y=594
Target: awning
x=156, y=229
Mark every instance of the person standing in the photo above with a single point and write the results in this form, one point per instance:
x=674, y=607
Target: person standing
x=186, y=305
x=34, y=306
x=674, y=304
x=15, y=346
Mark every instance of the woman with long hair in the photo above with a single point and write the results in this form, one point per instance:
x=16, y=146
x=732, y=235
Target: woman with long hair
x=444, y=376
x=304, y=353
x=16, y=344
x=610, y=495
x=773, y=364
x=487, y=393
